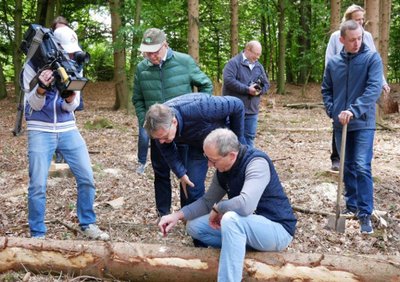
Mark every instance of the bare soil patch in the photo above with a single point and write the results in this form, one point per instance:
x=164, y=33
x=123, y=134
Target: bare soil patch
x=298, y=141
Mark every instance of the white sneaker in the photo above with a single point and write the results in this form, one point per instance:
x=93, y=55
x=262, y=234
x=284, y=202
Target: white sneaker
x=140, y=169
x=94, y=232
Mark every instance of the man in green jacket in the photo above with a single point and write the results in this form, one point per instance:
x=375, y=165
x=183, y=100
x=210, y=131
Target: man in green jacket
x=165, y=74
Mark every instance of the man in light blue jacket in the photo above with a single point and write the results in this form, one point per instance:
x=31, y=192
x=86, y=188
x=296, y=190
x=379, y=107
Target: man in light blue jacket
x=351, y=86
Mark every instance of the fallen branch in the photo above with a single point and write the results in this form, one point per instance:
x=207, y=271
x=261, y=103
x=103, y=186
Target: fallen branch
x=305, y=105
x=385, y=127
x=139, y=262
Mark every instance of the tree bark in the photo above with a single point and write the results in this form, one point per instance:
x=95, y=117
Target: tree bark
x=282, y=46
x=3, y=89
x=385, y=8
x=139, y=262
x=234, y=7
x=372, y=19
x=120, y=79
x=193, y=34
x=335, y=15
x=17, y=56
x=135, y=42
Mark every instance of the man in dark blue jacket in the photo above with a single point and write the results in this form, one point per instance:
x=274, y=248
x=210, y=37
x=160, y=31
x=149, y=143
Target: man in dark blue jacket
x=245, y=78
x=351, y=86
x=188, y=119
x=257, y=213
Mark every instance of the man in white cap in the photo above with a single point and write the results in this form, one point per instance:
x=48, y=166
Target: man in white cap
x=51, y=125
x=165, y=74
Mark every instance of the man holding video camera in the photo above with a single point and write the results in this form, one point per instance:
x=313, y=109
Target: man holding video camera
x=245, y=78
x=50, y=120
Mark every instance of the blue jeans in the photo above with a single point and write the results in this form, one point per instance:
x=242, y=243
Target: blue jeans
x=236, y=233
x=196, y=166
x=250, y=128
x=143, y=145
x=41, y=147
x=357, y=170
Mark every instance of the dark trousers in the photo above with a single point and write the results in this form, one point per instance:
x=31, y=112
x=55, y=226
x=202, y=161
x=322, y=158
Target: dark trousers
x=335, y=154
x=196, y=166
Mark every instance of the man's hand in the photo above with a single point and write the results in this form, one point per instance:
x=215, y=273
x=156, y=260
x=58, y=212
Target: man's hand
x=46, y=77
x=253, y=91
x=71, y=98
x=186, y=181
x=215, y=219
x=386, y=88
x=167, y=222
x=345, y=117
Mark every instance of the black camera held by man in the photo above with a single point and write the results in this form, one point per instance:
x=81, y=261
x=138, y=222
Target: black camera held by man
x=258, y=84
x=41, y=47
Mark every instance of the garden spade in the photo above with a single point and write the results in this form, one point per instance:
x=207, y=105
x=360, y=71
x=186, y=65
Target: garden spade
x=337, y=222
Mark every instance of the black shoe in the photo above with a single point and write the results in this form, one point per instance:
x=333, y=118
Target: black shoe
x=335, y=165
x=199, y=244
x=349, y=213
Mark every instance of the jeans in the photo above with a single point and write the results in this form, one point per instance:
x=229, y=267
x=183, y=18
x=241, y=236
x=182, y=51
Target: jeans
x=236, y=233
x=357, y=170
x=250, y=129
x=41, y=147
x=143, y=145
x=196, y=166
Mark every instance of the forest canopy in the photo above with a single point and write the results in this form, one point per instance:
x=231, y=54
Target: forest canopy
x=306, y=29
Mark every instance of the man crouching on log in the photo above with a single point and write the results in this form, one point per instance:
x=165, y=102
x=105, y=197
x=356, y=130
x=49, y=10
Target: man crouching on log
x=257, y=213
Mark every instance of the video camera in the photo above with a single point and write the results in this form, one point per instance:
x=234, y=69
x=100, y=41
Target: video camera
x=41, y=47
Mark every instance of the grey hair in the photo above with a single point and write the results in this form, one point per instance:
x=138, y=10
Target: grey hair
x=224, y=140
x=348, y=25
x=158, y=116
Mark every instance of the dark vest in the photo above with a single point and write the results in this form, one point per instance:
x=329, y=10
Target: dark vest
x=273, y=203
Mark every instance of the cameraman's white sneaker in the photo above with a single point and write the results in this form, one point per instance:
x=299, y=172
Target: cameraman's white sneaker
x=94, y=232
x=140, y=169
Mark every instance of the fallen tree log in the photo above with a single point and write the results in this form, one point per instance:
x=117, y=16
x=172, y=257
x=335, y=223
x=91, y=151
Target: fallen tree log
x=145, y=262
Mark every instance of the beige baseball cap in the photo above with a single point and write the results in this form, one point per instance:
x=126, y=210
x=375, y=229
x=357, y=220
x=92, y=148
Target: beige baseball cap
x=68, y=39
x=153, y=38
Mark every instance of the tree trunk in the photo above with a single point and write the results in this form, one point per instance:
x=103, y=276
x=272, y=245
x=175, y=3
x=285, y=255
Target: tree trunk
x=385, y=8
x=386, y=102
x=234, y=5
x=145, y=262
x=305, y=41
x=17, y=56
x=282, y=46
x=135, y=42
x=120, y=80
x=372, y=19
x=3, y=89
x=193, y=34
x=335, y=15
x=50, y=13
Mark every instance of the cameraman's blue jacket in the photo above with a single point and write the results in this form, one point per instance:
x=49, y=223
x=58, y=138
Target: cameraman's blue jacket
x=50, y=112
x=353, y=82
x=197, y=115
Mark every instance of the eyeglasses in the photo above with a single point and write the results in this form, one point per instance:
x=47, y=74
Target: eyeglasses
x=148, y=54
x=166, y=135
x=213, y=162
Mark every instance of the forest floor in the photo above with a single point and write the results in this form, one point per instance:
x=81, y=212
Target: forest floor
x=297, y=140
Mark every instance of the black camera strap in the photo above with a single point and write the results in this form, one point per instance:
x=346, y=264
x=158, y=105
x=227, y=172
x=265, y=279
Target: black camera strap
x=36, y=41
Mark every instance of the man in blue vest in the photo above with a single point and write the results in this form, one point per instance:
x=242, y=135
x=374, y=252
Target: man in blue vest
x=257, y=213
